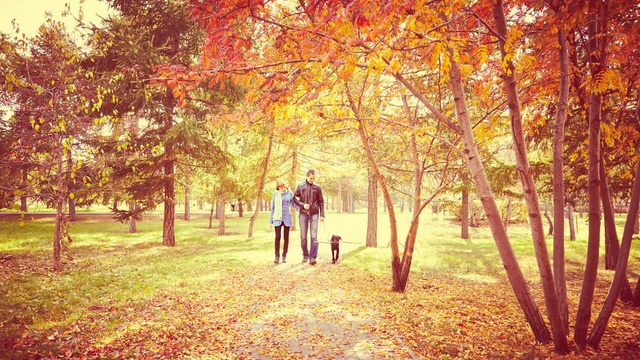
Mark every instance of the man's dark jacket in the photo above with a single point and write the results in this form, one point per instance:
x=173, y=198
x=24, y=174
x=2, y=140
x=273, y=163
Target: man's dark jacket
x=309, y=194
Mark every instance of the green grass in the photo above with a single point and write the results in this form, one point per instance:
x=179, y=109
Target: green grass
x=105, y=266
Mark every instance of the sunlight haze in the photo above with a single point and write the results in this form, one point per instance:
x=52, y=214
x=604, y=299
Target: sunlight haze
x=30, y=14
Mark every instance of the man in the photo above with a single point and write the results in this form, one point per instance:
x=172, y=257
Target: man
x=308, y=197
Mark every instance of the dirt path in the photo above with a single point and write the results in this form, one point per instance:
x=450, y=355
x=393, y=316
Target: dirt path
x=307, y=313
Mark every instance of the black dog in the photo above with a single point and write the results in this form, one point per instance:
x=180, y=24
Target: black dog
x=335, y=248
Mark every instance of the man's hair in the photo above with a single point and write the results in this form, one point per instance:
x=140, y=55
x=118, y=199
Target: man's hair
x=311, y=172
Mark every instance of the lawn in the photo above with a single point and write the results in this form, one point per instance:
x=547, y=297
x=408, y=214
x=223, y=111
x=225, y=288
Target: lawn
x=125, y=295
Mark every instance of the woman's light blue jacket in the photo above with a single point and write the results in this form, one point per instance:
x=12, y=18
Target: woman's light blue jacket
x=287, y=203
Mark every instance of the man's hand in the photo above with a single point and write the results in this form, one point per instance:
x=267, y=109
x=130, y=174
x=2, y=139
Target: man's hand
x=306, y=206
x=321, y=218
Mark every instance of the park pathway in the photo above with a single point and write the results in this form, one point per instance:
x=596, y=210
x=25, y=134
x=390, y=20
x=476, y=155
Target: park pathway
x=312, y=312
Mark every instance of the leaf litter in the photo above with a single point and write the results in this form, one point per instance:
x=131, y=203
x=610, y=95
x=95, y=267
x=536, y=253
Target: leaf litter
x=296, y=311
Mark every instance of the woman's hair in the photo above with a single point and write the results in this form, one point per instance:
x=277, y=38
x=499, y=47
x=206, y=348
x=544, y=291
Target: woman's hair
x=279, y=183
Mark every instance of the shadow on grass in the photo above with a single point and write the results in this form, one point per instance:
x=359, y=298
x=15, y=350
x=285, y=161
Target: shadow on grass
x=103, y=268
x=118, y=286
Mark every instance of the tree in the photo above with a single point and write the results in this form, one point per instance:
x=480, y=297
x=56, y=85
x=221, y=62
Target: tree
x=528, y=184
x=597, y=56
x=372, y=211
x=55, y=101
x=620, y=276
x=261, y=183
x=131, y=47
x=558, y=172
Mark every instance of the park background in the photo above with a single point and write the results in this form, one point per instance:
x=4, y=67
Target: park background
x=522, y=119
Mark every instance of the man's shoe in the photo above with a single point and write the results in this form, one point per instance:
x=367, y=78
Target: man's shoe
x=312, y=262
x=305, y=259
x=284, y=259
x=277, y=260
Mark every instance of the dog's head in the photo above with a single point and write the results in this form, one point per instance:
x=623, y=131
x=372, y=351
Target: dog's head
x=335, y=239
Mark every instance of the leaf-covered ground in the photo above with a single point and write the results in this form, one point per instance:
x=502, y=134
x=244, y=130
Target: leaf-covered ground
x=297, y=311
x=125, y=296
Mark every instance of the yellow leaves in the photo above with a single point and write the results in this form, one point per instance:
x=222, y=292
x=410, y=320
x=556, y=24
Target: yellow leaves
x=348, y=68
x=510, y=48
x=328, y=57
x=34, y=125
x=466, y=70
x=482, y=53
x=606, y=80
x=437, y=51
x=376, y=65
x=445, y=67
x=513, y=37
x=72, y=196
x=394, y=66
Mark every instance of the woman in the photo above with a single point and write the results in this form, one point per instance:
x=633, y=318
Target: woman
x=281, y=203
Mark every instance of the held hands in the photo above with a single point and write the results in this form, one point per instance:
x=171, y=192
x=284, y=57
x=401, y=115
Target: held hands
x=307, y=206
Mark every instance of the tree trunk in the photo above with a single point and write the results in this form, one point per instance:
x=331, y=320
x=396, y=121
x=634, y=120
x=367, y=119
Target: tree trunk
x=407, y=256
x=507, y=214
x=60, y=198
x=168, y=225
x=339, y=200
x=583, y=316
x=528, y=186
x=572, y=224
x=620, y=276
x=397, y=284
x=132, y=220
x=471, y=152
x=187, y=198
x=73, y=216
x=372, y=211
x=263, y=178
x=23, y=187
x=212, y=214
x=72, y=202
x=558, y=182
x=550, y=221
x=464, y=214
x=514, y=273
x=292, y=184
x=222, y=207
x=611, y=243
x=636, y=294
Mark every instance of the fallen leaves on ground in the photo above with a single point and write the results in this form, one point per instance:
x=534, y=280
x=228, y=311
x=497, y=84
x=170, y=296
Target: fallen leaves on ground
x=297, y=311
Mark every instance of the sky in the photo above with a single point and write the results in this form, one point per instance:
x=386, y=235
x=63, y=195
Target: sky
x=30, y=14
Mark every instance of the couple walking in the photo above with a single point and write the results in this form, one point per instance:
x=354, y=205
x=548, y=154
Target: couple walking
x=308, y=199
